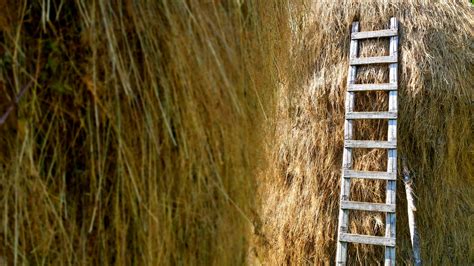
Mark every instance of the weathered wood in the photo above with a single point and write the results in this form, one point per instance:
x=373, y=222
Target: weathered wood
x=367, y=206
x=373, y=34
x=373, y=87
x=371, y=115
x=371, y=144
x=391, y=144
x=371, y=240
x=414, y=236
x=343, y=222
x=373, y=60
x=390, y=218
x=369, y=175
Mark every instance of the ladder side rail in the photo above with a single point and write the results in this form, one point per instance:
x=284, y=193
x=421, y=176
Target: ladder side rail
x=390, y=220
x=341, y=251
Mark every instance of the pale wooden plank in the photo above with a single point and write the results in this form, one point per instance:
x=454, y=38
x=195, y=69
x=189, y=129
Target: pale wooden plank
x=373, y=87
x=373, y=60
x=414, y=236
x=373, y=34
x=371, y=115
x=369, y=175
x=368, y=206
x=370, y=240
x=343, y=221
x=390, y=218
x=370, y=144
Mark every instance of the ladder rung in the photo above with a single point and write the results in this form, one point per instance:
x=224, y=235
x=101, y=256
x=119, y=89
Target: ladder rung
x=367, y=206
x=369, y=175
x=374, y=34
x=373, y=60
x=370, y=144
x=371, y=115
x=373, y=87
x=371, y=240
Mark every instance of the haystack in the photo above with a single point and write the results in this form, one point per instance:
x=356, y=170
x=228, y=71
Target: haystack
x=135, y=140
x=300, y=189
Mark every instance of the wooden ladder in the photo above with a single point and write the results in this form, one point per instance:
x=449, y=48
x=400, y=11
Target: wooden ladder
x=344, y=237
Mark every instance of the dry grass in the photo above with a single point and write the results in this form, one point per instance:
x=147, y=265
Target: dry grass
x=138, y=141
x=147, y=121
x=300, y=191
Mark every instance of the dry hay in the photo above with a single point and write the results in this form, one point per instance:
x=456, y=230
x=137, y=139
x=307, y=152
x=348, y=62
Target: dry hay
x=300, y=190
x=137, y=141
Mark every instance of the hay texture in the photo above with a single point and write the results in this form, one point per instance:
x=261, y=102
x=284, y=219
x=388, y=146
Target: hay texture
x=300, y=190
x=137, y=138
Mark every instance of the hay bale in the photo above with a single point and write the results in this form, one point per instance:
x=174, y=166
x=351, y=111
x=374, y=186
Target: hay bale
x=300, y=189
x=138, y=142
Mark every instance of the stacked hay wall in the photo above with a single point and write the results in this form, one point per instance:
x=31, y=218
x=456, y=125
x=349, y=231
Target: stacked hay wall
x=300, y=191
x=136, y=139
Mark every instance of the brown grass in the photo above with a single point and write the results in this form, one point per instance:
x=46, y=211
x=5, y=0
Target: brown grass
x=300, y=190
x=138, y=141
x=147, y=122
